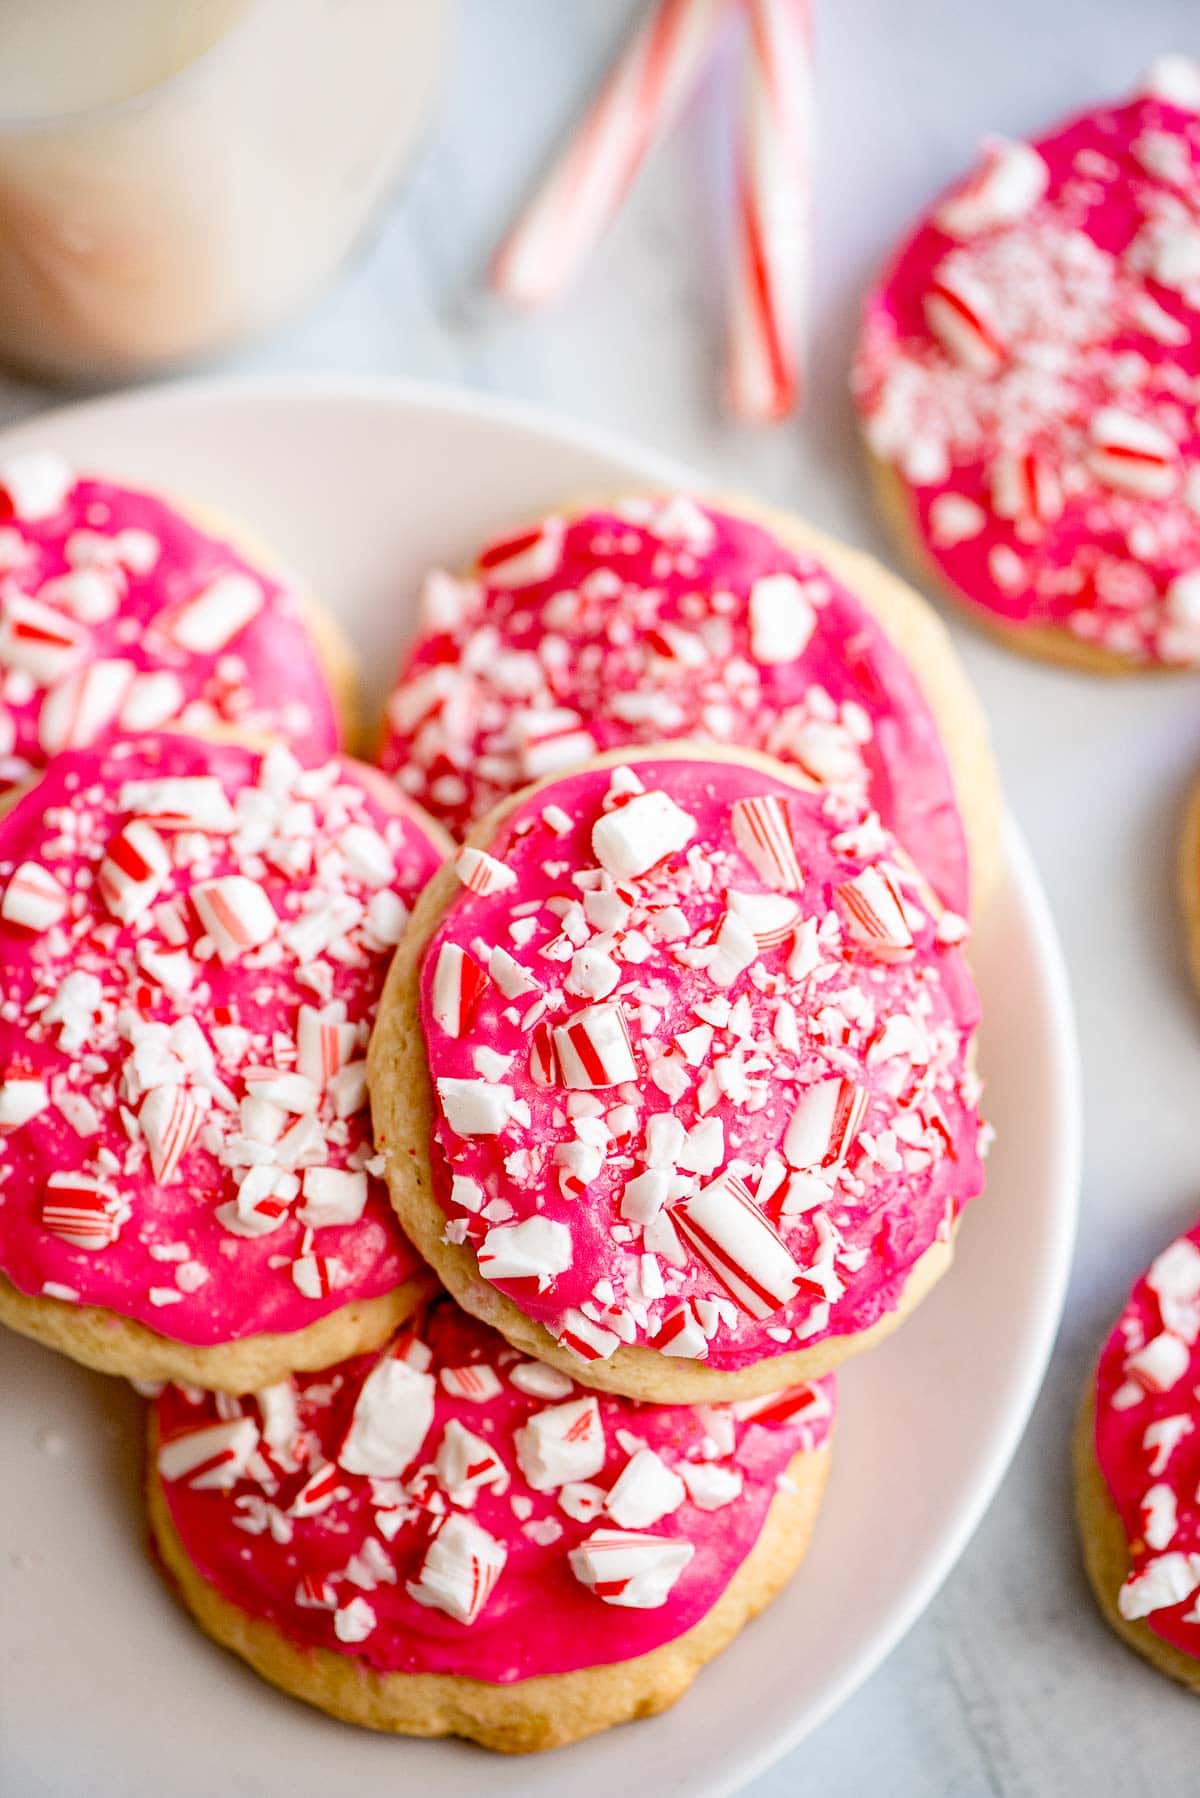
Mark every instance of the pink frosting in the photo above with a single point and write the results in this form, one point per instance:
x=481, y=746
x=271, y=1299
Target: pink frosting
x=269, y=1514
x=1030, y=367
x=173, y=1106
x=653, y=622
x=117, y=613
x=772, y=1048
x=1148, y=1442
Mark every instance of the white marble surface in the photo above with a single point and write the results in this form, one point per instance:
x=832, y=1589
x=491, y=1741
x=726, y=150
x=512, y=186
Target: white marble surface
x=1009, y=1685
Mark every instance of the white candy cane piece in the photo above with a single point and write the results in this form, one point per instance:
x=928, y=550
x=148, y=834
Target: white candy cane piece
x=314, y=1593
x=874, y=915
x=539, y=1380
x=561, y=1443
x=589, y=1340
x=771, y=917
x=539, y=1248
x=317, y=1493
x=1175, y=1274
x=772, y=249
x=184, y=802
x=806, y=1403
x=22, y=1097
x=333, y=1195
x=37, y=640
x=212, y=618
x=153, y=699
x=324, y=1043
x=782, y=617
x=458, y=982
x=825, y=1124
x=594, y=1049
x=587, y=183
x=630, y=1569
x=476, y=1107
x=634, y=838
x=392, y=1417
x=37, y=483
x=762, y=830
x=750, y=1260
x=134, y=870
x=1010, y=181
x=78, y=1209
x=1159, y=1513
x=466, y=1465
x=477, y=1383
x=1161, y=1583
x=543, y=1061
x=460, y=1570
x=33, y=898
x=211, y=1458
x=316, y=1276
x=482, y=873
x=84, y=705
x=1132, y=454
x=236, y=913
x=520, y=560
x=1161, y=1364
x=170, y=1121
x=958, y=310
x=645, y=1492
x=1026, y=488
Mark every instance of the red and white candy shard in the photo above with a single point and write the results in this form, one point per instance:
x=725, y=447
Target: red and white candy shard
x=214, y=1456
x=460, y=1570
x=726, y=1062
x=391, y=1420
x=627, y=1568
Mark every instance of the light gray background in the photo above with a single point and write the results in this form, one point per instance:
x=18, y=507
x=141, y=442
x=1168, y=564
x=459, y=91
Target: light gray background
x=1009, y=1685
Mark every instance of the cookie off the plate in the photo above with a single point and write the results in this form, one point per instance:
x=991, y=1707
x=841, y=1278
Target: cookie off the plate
x=673, y=1075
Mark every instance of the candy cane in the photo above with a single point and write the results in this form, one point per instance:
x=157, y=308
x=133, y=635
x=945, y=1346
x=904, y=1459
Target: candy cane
x=772, y=254
x=588, y=182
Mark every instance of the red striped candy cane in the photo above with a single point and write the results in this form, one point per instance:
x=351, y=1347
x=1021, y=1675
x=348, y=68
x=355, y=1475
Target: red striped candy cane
x=772, y=255
x=588, y=182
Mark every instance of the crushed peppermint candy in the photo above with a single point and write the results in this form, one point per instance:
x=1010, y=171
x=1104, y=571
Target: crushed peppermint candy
x=1028, y=369
x=189, y=967
x=447, y=1547
x=749, y=1142
x=121, y=614
x=656, y=620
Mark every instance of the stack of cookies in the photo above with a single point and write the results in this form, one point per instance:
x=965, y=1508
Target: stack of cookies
x=482, y=1159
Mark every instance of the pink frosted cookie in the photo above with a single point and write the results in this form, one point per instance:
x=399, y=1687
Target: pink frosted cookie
x=1029, y=383
x=447, y=1538
x=120, y=613
x=1137, y=1466
x=658, y=618
x=192, y=943
x=690, y=1044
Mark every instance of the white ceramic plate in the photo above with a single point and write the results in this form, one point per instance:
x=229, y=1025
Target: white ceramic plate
x=104, y=1686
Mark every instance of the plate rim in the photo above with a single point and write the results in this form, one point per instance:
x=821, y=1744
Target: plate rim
x=544, y=423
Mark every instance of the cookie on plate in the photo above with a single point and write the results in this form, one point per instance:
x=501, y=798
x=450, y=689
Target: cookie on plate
x=193, y=938
x=122, y=612
x=1029, y=383
x=651, y=618
x=673, y=1075
x=449, y=1539
x=1137, y=1466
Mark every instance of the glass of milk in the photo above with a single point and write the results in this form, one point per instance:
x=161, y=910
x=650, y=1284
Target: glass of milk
x=176, y=175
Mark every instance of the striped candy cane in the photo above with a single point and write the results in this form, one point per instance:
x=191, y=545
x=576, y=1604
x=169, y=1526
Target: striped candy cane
x=588, y=182
x=771, y=266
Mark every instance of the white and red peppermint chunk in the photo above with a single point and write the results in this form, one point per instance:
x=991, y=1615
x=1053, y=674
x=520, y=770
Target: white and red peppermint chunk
x=1030, y=381
x=635, y=632
x=707, y=1159
x=530, y=1575
x=185, y=1134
